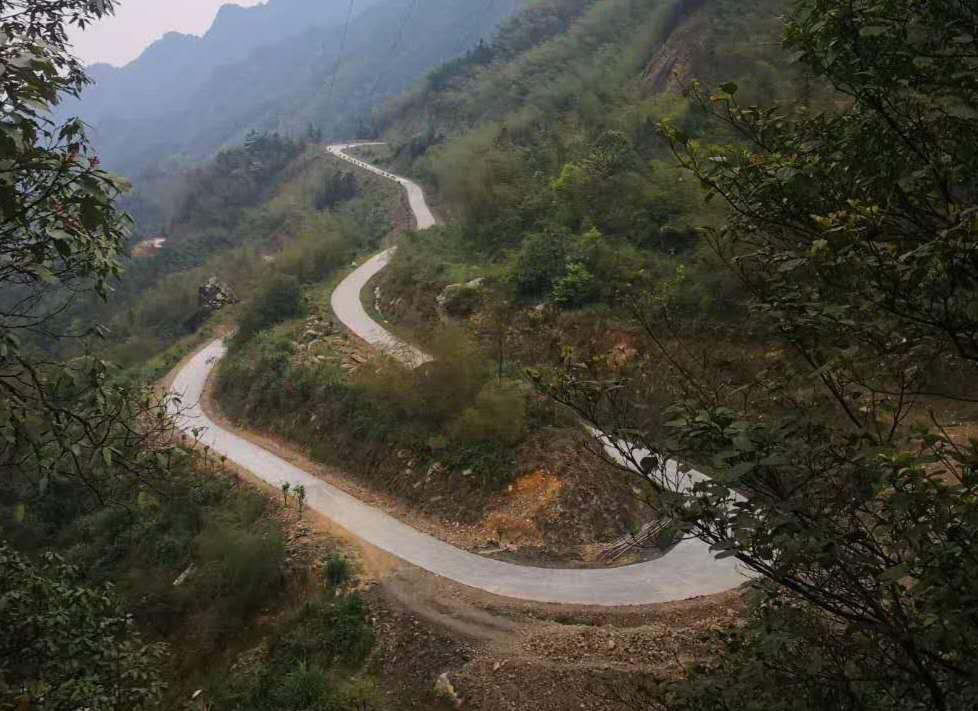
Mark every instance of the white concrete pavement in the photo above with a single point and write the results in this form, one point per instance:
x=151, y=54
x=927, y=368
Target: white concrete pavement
x=687, y=570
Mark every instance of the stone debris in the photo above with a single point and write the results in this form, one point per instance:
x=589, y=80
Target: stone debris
x=445, y=689
x=182, y=578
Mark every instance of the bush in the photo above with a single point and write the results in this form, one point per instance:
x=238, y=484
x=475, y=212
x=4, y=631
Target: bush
x=278, y=300
x=66, y=644
x=335, y=631
x=338, y=570
x=239, y=565
x=462, y=300
x=575, y=288
x=310, y=652
x=305, y=687
x=437, y=391
x=337, y=187
x=322, y=244
x=540, y=262
x=498, y=415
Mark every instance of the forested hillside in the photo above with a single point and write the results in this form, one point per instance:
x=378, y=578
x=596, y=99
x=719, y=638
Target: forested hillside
x=543, y=144
x=175, y=66
x=541, y=147
x=285, y=66
x=733, y=239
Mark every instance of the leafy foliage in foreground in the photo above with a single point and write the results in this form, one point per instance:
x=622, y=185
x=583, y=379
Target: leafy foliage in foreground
x=854, y=232
x=308, y=662
x=64, y=645
x=67, y=645
x=60, y=235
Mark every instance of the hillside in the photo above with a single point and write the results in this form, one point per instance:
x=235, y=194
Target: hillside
x=521, y=270
x=544, y=152
x=547, y=217
x=631, y=364
x=286, y=65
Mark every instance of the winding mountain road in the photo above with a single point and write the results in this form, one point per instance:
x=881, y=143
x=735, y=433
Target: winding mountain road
x=688, y=570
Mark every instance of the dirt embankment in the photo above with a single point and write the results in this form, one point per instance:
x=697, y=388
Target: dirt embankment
x=498, y=654
x=561, y=512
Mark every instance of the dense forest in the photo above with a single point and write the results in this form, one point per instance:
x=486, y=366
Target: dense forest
x=736, y=235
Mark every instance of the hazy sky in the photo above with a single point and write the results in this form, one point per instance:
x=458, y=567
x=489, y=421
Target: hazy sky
x=137, y=23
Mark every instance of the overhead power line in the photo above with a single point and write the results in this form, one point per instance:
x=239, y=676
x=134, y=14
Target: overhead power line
x=339, y=54
x=392, y=53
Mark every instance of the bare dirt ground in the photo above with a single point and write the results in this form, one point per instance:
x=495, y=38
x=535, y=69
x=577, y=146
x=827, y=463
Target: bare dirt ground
x=500, y=654
x=148, y=248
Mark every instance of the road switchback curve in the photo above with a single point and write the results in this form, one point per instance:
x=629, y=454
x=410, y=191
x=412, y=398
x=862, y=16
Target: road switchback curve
x=688, y=570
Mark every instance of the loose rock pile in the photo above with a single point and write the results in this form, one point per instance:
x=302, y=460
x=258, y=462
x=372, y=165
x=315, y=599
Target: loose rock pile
x=322, y=342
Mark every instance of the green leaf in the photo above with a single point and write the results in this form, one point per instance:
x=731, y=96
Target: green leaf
x=743, y=443
x=45, y=274
x=874, y=31
x=894, y=574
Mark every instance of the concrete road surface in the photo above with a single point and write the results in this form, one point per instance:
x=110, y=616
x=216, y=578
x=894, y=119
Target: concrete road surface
x=688, y=570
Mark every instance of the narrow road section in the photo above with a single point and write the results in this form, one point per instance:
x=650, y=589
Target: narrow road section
x=688, y=570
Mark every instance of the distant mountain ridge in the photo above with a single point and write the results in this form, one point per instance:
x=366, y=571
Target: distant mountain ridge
x=173, y=67
x=269, y=67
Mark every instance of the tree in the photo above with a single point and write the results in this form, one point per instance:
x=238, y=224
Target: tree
x=497, y=324
x=541, y=261
x=300, y=497
x=65, y=646
x=854, y=233
x=338, y=187
x=279, y=299
x=67, y=427
x=286, y=487
x=61, y=235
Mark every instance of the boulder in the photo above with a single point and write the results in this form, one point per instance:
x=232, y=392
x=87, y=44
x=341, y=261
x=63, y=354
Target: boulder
x=460, y=299
x=215, y=295
x=212, y=296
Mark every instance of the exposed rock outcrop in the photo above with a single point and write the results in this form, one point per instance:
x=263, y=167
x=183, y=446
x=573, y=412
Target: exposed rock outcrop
x=212, y=296
x=215, y=295
x=460, y=299
x=673, y=65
